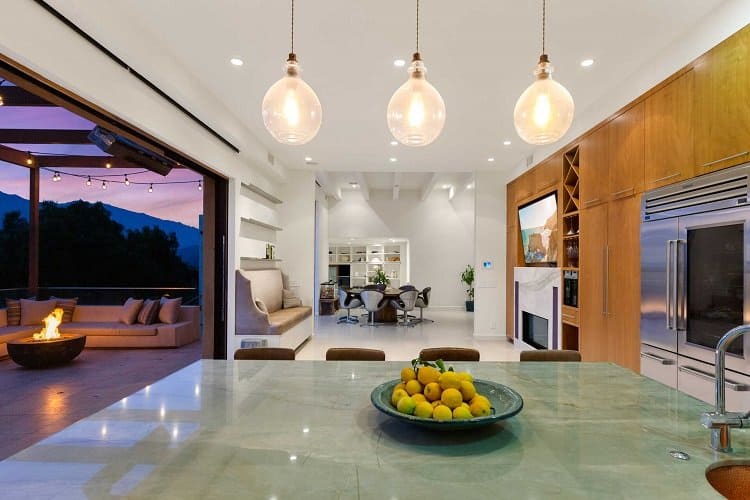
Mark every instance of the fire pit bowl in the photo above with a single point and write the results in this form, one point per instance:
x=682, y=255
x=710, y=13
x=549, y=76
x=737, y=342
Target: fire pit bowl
x=45, y=353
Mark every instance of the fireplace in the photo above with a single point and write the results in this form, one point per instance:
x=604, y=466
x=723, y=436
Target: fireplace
x=535, y=330
x=48, y=347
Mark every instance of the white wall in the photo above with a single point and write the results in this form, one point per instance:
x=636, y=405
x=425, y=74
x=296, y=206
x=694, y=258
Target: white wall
x=321, y=265
x=440, y=234
x=490, y=233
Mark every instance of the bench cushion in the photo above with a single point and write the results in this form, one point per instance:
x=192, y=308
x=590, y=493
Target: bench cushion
x=284, y=319
x=13, y=332
x=108, y=329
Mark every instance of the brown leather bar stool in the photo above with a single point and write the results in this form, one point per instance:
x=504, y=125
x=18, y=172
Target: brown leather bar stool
x=449, y=354
x=550, y=355
x=354, y=354
x=261, y=353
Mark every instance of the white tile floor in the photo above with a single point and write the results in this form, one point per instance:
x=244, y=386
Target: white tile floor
x=450, y=329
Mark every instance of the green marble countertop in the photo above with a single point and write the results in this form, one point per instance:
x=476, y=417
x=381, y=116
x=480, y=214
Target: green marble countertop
x=287, y=430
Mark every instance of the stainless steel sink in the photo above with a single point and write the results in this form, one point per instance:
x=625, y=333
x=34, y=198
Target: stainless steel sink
x=731, y=478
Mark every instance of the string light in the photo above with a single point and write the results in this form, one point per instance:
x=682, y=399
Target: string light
x=104, y=184
x=200, y=186
x=29, y=159
x=88, y=181
x=127, y=181
x=56, y=177
x=2, y=103
x=150, y=188
x=108, y=165
x=118, y=179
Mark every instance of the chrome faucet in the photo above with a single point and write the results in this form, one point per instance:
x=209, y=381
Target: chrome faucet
x=719, y=421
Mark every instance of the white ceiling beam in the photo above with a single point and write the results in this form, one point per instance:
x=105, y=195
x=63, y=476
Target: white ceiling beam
x=396, y=184
x=362, y=180
x=328, y=186
x=427, y=186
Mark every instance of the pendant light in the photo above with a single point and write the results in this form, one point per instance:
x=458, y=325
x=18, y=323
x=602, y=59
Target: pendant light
x=291, y=110
x=545, y=110
x=416, y=112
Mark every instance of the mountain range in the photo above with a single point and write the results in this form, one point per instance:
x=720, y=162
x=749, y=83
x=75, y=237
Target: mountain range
x=189, y=238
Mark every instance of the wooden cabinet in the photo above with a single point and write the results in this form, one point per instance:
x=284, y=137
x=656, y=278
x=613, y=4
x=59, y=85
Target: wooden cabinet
x=592, y=313
x=525, y=186
x=669, y=133
x=722, y=104
x=594, y=167
x=626, y=153
x=548, y=173
x=511, y=261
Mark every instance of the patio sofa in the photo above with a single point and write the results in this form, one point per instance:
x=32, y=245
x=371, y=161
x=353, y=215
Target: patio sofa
x=102, y=329
x=260, y=318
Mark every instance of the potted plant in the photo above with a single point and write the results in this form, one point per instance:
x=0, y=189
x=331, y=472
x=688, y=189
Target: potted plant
x=379, y=278
x=467, y=277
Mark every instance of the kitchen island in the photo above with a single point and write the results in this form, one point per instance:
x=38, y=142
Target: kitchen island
x=300, y=429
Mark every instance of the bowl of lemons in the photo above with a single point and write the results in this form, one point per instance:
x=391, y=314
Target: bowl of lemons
x=433, y=396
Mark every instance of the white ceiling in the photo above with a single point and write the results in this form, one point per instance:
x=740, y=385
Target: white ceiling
x=480, y=55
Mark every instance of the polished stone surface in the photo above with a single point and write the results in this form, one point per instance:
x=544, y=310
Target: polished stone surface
x=298, y=429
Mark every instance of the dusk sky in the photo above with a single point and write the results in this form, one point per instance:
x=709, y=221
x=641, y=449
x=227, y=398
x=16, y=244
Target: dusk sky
x=177, y=202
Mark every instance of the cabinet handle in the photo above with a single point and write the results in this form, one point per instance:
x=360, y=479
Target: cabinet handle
x=623, y=191
x=735, y=386
x=666, y=177
x=725, y=158
x=658, y=359
x=589, y=202
x=605, y=297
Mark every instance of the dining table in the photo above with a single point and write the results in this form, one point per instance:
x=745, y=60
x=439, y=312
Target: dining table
x=307, y=429
x=387, y=314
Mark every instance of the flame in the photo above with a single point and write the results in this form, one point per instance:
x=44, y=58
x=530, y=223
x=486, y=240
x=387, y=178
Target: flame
x=51, y=323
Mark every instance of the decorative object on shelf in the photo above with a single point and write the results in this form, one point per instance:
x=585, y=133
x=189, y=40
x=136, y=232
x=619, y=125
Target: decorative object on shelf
x=544, y=112
x=467, y=277
x=270, y=251
x=416, y=111
x=291, y=111
x=379, y=278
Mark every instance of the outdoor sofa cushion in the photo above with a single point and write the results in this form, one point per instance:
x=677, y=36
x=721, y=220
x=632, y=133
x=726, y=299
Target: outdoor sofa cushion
x=34, y=311
x=108, y=328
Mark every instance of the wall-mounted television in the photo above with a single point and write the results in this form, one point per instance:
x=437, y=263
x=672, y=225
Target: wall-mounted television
x=538, y=223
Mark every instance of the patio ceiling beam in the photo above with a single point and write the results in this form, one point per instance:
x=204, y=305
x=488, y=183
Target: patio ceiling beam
x=81, y=161
x=43, y=136
x=16, y=96
x=16, y=157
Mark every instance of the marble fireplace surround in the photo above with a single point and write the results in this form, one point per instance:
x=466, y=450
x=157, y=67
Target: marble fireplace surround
x=536, y=290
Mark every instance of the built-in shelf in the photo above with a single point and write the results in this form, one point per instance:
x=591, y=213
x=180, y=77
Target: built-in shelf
x=256, y=222
x=260, y=192
x=260, y=259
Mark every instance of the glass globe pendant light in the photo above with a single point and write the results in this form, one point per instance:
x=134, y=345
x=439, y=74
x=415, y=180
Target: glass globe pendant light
x=416, y=112
x=291, y=111
x=545, y=110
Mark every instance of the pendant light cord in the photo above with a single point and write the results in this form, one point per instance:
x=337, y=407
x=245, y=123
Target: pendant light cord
x=417, y=26
x=292, y=27
x=544, y=25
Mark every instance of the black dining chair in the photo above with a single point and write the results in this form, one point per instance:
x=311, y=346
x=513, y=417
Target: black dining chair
x=348, y=300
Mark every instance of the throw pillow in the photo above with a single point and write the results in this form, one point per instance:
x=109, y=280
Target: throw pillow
x=169, y=310
x=149, y=312
x=68, y=306
x=130, y=310
x=34, y=311
x=261, y=306
x=290, y=299
x=14, y=311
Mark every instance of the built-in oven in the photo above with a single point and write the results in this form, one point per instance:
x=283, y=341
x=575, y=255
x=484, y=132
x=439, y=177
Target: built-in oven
x=695, y=272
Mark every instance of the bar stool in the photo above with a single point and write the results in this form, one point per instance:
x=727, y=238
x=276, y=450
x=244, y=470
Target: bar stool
x=405, y=303
x=265, y=353
x=449, y=354
x=354, y=354
x=551, y=355
x=373, y=300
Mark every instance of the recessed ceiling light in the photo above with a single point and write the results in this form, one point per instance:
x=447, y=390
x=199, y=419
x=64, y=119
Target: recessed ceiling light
x=399, y=63
x=394, y=143
x=490, y=159
x=587, y=62
x=236, y=61
x=355, y=185
x=469, y=186
x=506, y=143
x=393, y=160
x=308, y=159
x=446, y=186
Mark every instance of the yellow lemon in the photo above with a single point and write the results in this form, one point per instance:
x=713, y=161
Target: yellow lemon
x=413, y=387
x=427, y=374
x=437, y=403
x=423, y=410
x=398, y=394
x=432, y=391
x=406, y=405
x=461, y=413
x=479, y=397
x=467, y=390
x=400, y=385
x=465, y=376
x=442, y=412
x=408, y=374
x=479, y=409
x=449, y=380
x=451, y=398
x=465, y=405
x=418, y=398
